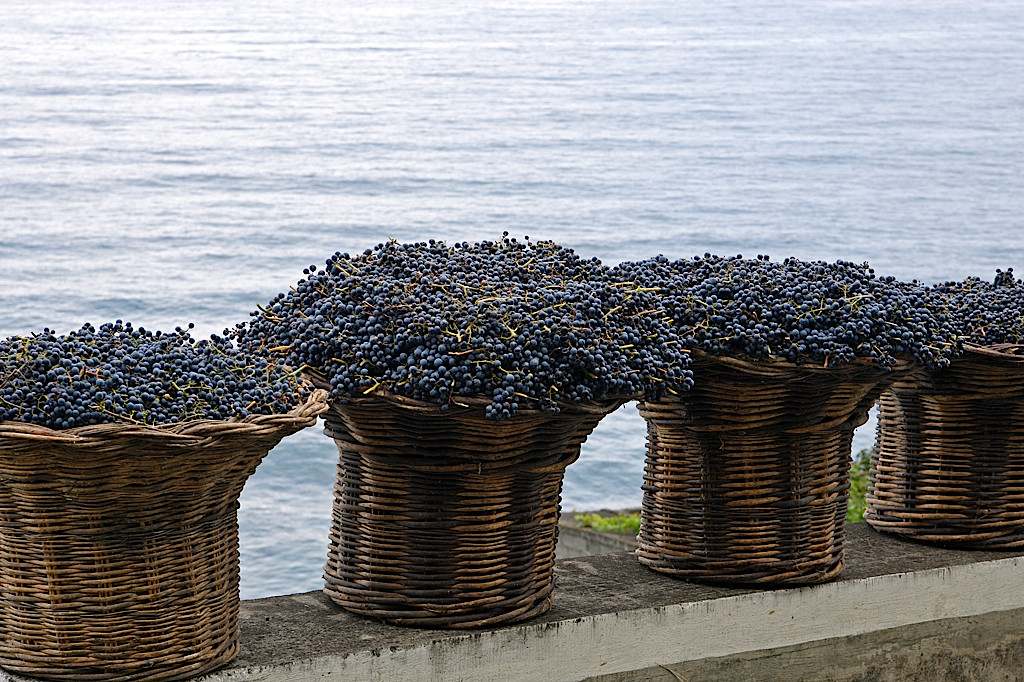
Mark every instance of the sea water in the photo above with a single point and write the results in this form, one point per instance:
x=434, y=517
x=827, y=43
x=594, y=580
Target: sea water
x=184, y=161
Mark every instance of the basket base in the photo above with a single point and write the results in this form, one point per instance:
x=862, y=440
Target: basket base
x=463, y=547
x=948, y=467
x=447, y=519
x=753, y=547
x=975, y=537
x=130, y=607
x=150, y=673
x=747, y=475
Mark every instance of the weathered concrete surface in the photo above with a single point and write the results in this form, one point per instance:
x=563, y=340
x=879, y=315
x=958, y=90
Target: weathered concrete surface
x=971, y=649
x=900, y=611
x=612, y=616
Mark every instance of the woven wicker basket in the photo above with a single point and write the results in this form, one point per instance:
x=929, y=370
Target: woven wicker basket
x=747, y=474
x=448, y=519
x=949, y=462
x=119, y=544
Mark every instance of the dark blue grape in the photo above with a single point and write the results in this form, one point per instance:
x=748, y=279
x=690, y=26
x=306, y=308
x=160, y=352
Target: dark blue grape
x=523, y=324
x=798, y=311
x=119, y=373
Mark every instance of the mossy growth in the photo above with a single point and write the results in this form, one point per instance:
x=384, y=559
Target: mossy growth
x=628, y=524
x=858, y=486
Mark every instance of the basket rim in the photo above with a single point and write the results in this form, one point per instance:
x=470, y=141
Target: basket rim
x=774, y=363
x=1009, y=352
x=181, y=433
x=467, y=402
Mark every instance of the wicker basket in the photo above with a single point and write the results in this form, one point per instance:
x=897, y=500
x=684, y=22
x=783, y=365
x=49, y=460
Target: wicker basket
x=119, y=544
x=448, y=519
x=949, y=462
x=747, y=474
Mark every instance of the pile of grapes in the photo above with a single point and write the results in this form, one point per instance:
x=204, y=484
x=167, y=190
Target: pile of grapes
x=524, y=324
x=119, y=373
x=801, y=312
x=983, y=313
x=521, y=324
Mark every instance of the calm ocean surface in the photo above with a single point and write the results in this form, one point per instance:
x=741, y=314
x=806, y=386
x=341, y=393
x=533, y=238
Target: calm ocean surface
x=183, y=161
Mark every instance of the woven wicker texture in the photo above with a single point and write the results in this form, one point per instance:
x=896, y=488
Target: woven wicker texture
x=448, y=519
x=119, y=544
x=949, y=463
x=747, y=474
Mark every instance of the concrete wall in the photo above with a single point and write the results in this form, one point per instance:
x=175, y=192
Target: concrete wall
x=968, y=649
x=900, y=611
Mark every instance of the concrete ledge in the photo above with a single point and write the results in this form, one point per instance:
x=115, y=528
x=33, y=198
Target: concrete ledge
x=969, y=649
x=614, y=619
x=900, y=611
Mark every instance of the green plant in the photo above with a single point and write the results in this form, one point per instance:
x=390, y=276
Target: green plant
x=858, y=486
x=620, y=523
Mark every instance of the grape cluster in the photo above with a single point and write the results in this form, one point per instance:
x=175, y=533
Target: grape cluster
x=523, y=324
x=798, y=311
x=120, y=373
x=983, y=313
